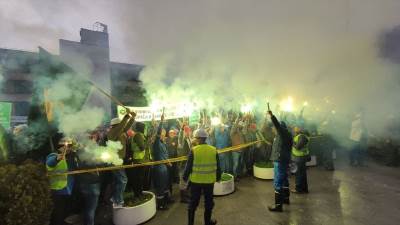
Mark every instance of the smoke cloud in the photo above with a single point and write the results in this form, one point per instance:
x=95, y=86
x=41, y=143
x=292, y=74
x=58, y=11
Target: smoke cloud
x=68, y=94
x=84, y=120
x=95, y=154
x=231, y=58
x=227, y=53
x=337, y=75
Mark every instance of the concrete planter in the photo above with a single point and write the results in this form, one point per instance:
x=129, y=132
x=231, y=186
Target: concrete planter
x=137, y=214
x=224, y=187
x=263, y=173
x=313, y=161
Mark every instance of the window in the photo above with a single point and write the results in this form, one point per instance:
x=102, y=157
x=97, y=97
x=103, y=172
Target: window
x=21, y=108
x=17, y=87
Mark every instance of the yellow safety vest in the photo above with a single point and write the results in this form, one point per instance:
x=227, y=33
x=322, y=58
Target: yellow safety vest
x=60, y=181
x=204, y=169
x=137, y=154
x=300, y=152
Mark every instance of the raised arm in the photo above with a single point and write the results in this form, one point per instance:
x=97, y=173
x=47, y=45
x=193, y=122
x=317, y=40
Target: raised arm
x=276, y=123
x=160, y=127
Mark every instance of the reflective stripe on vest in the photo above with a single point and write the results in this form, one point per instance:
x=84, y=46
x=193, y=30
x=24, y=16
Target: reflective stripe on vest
x=137, y=154
x=204, y=169
x=60, y=181
x=300, y=152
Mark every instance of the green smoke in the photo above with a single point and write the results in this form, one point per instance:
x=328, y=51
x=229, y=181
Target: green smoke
x=95, y=154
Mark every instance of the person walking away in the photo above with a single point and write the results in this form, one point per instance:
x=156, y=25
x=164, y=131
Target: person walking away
x=202, y=171
x=300, y=155
x=61, y=185
x=358, y=137
x=160, y=172
x=117, y=132
x=281, y=151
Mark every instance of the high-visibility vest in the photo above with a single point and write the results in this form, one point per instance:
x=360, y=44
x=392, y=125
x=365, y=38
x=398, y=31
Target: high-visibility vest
x=204, y=169
x=137, y=153
x=60, y=181
x=300, y=152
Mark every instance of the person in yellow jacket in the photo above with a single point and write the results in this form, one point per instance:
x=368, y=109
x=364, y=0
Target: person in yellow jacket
x=300, y=155
x=61, y=186
x=202, y=171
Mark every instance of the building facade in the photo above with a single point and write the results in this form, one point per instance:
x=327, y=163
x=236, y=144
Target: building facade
x=90, y=57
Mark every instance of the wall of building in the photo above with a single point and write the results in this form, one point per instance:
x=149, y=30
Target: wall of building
x=90, y=56
x=17, y=81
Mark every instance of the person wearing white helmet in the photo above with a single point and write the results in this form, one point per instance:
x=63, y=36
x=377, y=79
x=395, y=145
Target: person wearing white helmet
x=117, y=132
x=202, y=171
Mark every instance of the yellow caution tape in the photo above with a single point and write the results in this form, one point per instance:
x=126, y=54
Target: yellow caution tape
x=318, y=136
x=172, y=160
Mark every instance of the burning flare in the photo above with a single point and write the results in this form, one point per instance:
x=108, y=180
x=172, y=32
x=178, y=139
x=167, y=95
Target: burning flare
x=287, y=104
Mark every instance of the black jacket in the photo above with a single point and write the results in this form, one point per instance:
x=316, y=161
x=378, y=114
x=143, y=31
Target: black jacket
x=283, y=142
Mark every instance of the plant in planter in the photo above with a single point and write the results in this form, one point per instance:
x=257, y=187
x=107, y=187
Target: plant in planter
x=267, y=164
x=131, y=201
x=264, y=170
x=226, y=177
x=225, y=186
x=25, y=196
x=136, y=211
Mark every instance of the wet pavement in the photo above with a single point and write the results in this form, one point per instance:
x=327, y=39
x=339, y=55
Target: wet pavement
x=347, y=196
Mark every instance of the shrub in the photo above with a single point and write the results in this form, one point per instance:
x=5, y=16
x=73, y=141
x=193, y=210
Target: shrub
x=25, y=196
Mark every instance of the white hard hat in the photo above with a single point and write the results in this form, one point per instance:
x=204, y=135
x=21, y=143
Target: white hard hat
x=200, y=133
x=115, y=121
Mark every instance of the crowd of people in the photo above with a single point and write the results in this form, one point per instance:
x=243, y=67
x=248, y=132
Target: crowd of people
x=281, y=142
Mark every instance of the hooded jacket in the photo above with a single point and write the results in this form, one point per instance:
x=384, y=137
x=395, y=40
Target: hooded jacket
x=282, y=145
